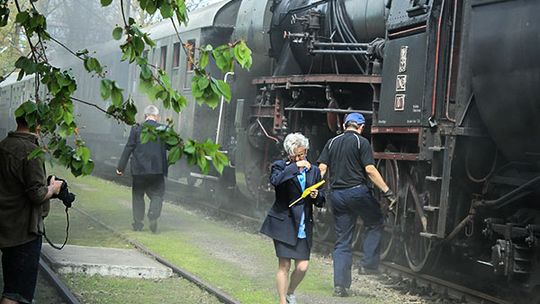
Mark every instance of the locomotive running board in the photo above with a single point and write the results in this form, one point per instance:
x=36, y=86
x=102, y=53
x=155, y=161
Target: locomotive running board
x=342, y=78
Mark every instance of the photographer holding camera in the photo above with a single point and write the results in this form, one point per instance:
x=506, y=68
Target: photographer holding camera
x=24, y=202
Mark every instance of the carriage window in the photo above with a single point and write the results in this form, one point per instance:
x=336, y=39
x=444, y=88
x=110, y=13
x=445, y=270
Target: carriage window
x=190, y=47
x=176, y=55
x=163, y=58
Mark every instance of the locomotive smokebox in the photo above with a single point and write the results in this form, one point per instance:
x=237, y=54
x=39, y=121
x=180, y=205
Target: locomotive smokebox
x=506, y=74
x=300, y=27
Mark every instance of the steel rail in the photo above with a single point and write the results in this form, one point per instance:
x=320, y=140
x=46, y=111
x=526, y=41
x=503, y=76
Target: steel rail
x=222, y=296
x=53, y=278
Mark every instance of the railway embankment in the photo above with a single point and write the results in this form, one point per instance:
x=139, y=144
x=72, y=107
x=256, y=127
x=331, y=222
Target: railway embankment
x=239, y=262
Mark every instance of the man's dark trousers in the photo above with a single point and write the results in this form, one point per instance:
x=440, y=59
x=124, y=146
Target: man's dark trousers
x=152, y=185
x=347, y=204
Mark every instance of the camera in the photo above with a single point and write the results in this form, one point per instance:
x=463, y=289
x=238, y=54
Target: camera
x=64, y=195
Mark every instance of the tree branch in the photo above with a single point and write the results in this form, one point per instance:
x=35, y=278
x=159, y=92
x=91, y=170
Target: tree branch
x=65, y=47
x=89, y=104
x=123, y=13
x=191, y=60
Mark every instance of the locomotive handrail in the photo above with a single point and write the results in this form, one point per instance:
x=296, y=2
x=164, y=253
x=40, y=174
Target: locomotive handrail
x=220, y=116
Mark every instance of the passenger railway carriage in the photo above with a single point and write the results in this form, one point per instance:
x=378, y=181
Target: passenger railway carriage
x=450, y=89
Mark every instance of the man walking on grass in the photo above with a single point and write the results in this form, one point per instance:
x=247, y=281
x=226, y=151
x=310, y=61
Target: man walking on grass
x=149, y=168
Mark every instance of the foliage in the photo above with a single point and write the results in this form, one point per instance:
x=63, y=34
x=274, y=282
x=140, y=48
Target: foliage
x=54, y=112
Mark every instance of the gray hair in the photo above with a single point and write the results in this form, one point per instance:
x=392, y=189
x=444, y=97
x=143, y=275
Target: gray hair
x=151, y=110
x=293, y=141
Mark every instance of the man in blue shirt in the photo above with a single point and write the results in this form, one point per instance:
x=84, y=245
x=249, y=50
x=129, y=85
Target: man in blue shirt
x=350, y=158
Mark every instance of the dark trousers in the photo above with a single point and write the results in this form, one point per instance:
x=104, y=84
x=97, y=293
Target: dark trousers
x=347, y=204
x=154, y=187
x=20, y=268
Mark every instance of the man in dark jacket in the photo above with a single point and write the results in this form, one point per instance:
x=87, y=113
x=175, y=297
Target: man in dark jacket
x=148, y=168
x=24, y=202
x=350, y=158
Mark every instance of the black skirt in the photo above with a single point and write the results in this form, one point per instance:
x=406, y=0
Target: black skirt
x=299, y=252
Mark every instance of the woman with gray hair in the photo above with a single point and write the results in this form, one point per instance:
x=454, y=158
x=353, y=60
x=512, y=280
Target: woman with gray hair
x=291, y=226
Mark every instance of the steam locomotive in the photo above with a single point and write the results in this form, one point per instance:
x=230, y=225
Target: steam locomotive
x=450, y=89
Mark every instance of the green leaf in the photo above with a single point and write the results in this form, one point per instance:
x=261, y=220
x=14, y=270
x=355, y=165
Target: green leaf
x=151, y=7
x=22, y=17
x=211, y=99
x=68, y=117
x=189, y=148
x=203, y=60
x=116, y=97
x=219, y=161
x=29, y=107
x=174, y=155
x=38, y=152
x=203, y=83
x=106, y=88
x=242, y=55
x=19, y=112
x=106, y=2
x=85, y=154
x=172, y=141
x=138, y=45
x=149, y=41
x=88, y=167
x=196, y=92
x=117, y=33
x=222, y=88
x=166, y=10
x=146, y=73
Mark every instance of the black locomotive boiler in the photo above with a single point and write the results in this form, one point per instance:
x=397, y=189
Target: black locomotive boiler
x=450, y=89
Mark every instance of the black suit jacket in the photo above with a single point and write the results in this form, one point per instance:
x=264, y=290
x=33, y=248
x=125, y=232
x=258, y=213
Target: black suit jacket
x=282, y=223
x=146, y=159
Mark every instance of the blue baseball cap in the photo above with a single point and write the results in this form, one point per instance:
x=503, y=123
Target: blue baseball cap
x=355, y=117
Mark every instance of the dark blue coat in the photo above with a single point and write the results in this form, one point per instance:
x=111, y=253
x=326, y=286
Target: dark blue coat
x=146, y=159
x=282, y=222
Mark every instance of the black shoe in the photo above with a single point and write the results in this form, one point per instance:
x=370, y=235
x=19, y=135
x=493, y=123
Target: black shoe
x=153, y=225
x=137, y=226
x=368, y=271
x=340, y=292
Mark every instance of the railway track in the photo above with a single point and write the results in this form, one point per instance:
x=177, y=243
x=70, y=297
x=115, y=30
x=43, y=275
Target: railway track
x=53, y=279
x=219, y=294
x=440, y=286
x=427, y=283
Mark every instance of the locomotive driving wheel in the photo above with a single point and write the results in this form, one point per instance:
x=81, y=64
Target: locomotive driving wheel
x=419, y=250
x=390, y=173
